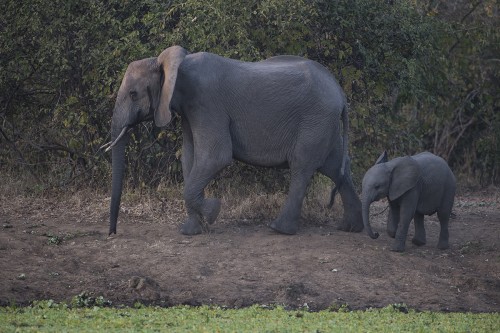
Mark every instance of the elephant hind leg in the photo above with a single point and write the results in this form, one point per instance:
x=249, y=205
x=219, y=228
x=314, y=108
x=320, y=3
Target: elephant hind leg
x=444, y=235
x=352, y=220
x=444, y=215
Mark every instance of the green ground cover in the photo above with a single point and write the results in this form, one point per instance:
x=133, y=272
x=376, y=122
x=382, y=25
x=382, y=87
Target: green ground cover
x=49, y=317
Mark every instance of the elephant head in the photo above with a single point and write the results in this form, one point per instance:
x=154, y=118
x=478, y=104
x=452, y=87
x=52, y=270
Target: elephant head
x=389, y=179
x=145, y=94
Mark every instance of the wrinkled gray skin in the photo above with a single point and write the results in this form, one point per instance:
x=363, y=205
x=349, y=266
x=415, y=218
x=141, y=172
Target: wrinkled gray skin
x=415, y=186
x=282, y=112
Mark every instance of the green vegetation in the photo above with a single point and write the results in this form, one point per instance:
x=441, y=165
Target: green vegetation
x=419, y=75
x=47, y=317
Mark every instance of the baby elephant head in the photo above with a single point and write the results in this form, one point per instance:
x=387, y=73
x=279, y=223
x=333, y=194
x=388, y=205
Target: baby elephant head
x=389, y=179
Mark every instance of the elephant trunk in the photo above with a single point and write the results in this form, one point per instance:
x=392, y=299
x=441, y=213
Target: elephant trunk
x=118, y=171
x=366, y=217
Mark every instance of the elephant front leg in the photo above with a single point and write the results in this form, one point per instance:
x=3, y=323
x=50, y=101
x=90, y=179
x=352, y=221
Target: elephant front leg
x=210, y=209
x=400, y=239
x=198, y=208
x=393, y=220
x=192, y=225
x=419, y=239
x=406, y=213
x=288, y=220
x=199, y=168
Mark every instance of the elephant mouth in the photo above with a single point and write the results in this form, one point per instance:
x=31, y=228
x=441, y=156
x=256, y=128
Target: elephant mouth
x=126, y=129
x=111, y=144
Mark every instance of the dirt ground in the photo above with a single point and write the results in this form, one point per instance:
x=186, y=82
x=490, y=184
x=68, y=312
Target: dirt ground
x=57, y=247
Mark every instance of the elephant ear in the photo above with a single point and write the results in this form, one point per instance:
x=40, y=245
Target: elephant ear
x=169, y=60
x=382, y=158
x=405, y=176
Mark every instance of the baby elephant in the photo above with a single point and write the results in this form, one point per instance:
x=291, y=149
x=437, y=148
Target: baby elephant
x=415, y=186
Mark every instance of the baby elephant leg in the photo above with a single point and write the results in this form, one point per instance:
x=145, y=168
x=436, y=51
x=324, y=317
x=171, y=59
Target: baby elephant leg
x=406, y=213
x=419, y=238
x=393, y=220
x=443, y=234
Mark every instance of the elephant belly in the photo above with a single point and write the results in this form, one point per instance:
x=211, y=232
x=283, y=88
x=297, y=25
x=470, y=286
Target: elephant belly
x=262, y=142
x=260, y=155
x=426, y=210
x=431, y=197
x=429, y=204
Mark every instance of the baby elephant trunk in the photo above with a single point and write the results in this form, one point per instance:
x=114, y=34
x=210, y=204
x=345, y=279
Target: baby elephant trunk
x=366, y=219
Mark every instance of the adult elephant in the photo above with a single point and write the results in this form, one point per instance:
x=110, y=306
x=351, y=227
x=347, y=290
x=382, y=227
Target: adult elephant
x=282, y=112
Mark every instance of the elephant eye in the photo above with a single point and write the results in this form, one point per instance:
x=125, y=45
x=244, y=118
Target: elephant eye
x=133, y=95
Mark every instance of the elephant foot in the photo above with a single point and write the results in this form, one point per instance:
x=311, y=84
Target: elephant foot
x=398, y=247
x=443, y=245
x=344, y=226
x=357, y=227
x=287, y=228
x=210, y=210
x=391, y=233
x=418, y=242
x=191, y=227
x=352, y=220
x=348, y=226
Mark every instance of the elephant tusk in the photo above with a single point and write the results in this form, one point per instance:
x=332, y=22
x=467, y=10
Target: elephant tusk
x=105, y=145
x=110, y=145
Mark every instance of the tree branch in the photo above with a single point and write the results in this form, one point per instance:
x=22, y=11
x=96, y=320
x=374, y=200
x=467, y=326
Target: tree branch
x=19, y=154
x=474, y=7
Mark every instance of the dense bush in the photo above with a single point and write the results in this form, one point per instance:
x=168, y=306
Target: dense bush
x=418, y=75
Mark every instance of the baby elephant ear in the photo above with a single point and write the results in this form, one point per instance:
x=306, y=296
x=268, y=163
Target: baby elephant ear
x=405, y=176
x=169, y=60
x=382, y=158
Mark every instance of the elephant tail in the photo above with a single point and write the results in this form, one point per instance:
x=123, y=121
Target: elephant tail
x=345, y=140
x=333, y=194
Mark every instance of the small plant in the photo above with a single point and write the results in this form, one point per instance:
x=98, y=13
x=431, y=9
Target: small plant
x=336, y=307
x=58, y=239
x=54, y=239
x=400, y=307
x=471, y=247
x=85, y=300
